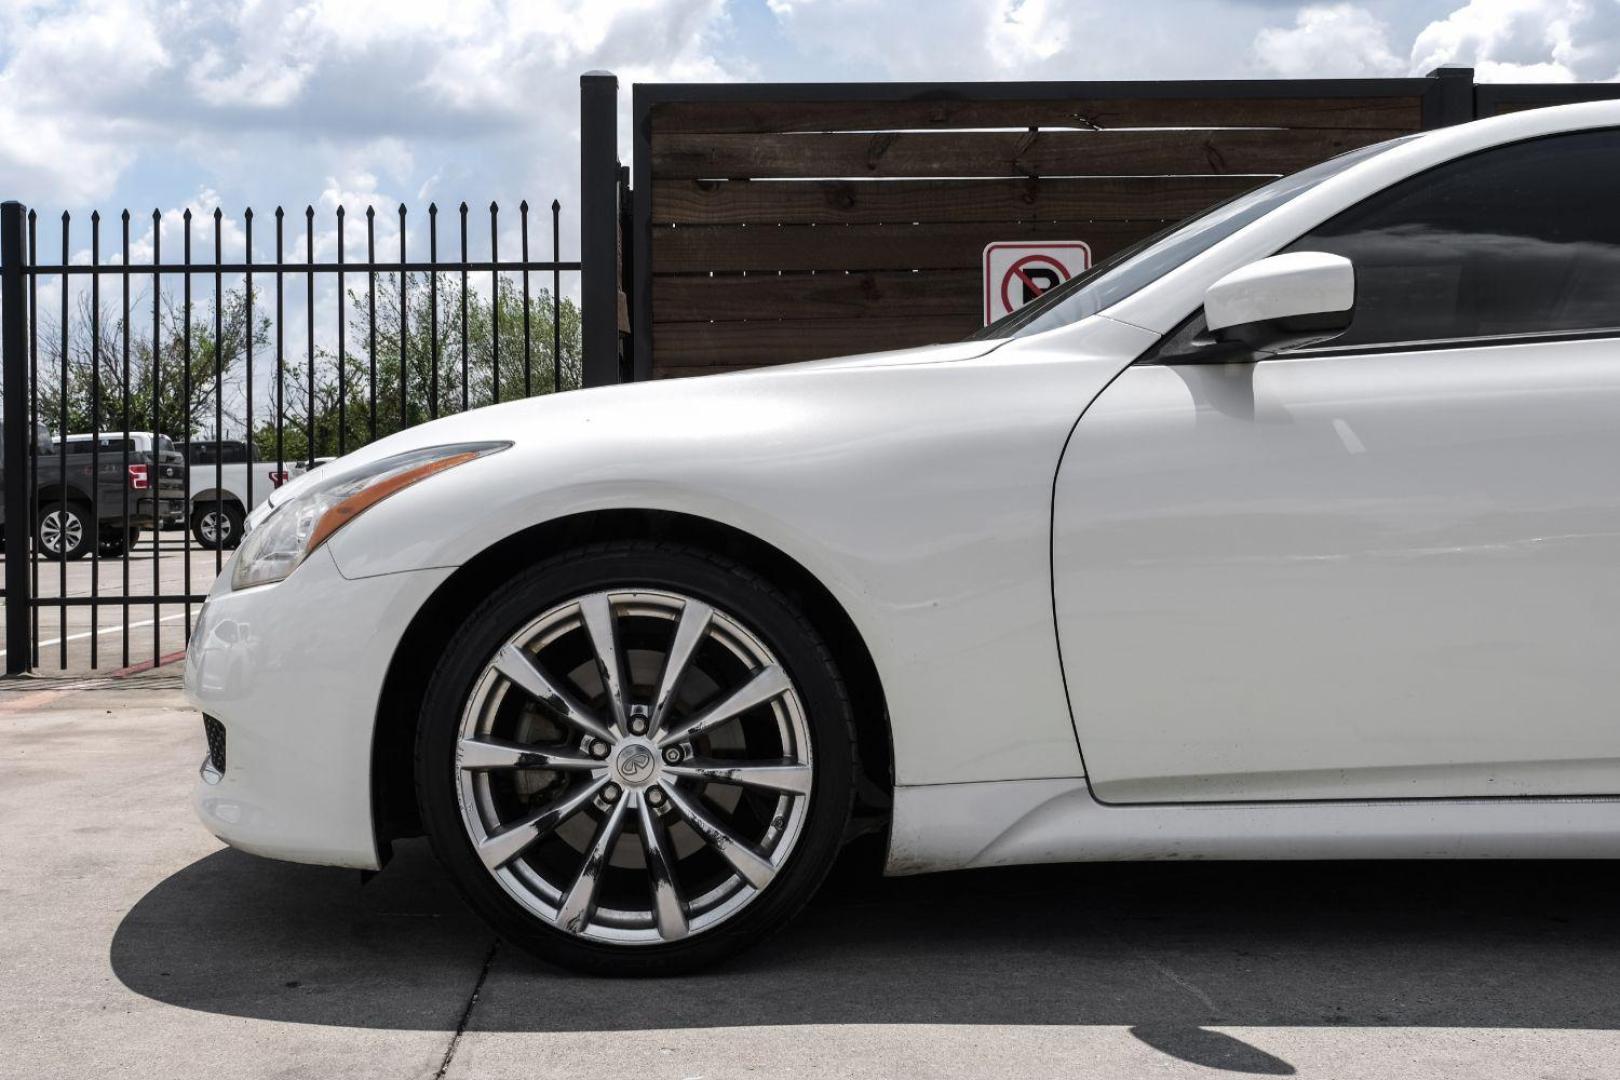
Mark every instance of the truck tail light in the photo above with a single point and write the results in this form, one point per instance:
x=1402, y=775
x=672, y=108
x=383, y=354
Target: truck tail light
x=279, y=477
x=138, y=478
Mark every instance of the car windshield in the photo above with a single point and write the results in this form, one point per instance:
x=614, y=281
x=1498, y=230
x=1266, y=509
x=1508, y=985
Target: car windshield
x=1144, y=262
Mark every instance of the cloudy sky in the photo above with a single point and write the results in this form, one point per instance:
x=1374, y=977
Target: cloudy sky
x=204, y=102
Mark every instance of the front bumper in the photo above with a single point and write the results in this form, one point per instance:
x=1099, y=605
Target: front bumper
x=293, y=672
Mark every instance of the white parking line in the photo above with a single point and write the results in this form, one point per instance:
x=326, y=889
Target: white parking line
x=115, y=628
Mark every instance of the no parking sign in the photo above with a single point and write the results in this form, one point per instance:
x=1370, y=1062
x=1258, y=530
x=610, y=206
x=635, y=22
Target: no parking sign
x=1017, y=273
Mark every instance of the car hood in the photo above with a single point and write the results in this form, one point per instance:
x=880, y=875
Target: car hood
x=597, y=411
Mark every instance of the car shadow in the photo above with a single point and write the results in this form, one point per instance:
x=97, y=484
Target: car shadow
x=1168, y=950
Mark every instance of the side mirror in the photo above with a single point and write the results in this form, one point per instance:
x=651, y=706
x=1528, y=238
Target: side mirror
x=1301, y=298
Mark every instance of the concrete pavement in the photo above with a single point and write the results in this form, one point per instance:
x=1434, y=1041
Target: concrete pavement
x=134, y=945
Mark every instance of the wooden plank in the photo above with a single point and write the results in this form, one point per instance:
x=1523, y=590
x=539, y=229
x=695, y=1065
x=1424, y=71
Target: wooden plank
x=1502, y=108
x=995, y=153
x=784, y=340
x=1377, y=113
x=721, y=248
x=834, y=295
x=1497, y=99
x=738, y=202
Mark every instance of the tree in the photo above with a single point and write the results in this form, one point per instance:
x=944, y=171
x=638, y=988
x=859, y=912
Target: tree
x=181, y=377
x=198, y=380
x=354, y=404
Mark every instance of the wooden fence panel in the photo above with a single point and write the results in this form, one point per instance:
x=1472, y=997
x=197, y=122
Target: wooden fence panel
x=1380, y=113
x=724, y=248
x=921, y=294
x=1496, y=99
x=783, y=229
x=1001, y=153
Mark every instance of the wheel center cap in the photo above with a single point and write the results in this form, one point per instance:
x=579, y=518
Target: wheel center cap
x=635, y=762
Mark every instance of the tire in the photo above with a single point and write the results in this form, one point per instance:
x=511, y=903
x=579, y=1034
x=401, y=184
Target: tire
x=63, y=530
x=693, y=897
x=118, y=541
x=218, y=525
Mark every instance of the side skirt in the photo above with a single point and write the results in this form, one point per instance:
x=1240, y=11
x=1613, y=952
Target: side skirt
x=1006, y=823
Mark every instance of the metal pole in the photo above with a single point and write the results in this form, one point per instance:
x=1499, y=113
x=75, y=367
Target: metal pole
x=599, y=226
x=19, y=435
x=639, y=260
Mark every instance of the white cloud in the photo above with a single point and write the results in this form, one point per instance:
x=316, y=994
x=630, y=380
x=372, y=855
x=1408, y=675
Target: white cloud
x=52, y=154
x=1022, y=31
x=90, y=55
x=1326, y=41
x=1502, y=40
x=246, y=95
x=59, y=94
x=1507, y=40
x=317, y=100
x=272, y=73
x=946, y=39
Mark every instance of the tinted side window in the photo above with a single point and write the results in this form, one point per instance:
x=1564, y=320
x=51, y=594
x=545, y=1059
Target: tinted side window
x=207, y=453
x=85, y=446
x=1522, y=239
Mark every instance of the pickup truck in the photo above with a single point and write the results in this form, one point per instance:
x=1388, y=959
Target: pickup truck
x=226, y=485
x=83, y=480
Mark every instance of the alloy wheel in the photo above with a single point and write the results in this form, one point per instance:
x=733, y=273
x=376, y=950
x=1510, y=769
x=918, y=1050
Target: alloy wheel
x=61, y=530
x=634, y=766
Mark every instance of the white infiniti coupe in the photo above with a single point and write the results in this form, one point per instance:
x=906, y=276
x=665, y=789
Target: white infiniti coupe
x=1291, y=533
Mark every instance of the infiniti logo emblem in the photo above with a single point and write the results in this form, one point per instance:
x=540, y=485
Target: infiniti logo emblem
x=635, y=763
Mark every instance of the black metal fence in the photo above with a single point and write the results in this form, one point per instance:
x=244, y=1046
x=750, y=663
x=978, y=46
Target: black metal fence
x=164, y=374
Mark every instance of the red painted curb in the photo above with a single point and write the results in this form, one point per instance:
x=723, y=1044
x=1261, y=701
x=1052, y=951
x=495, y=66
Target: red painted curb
x=146, y=665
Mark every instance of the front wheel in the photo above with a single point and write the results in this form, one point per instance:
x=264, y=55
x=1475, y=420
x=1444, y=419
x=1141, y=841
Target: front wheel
x=636, y=759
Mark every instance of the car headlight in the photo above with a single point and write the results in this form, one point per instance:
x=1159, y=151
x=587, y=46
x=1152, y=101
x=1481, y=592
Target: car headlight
x=303, y=523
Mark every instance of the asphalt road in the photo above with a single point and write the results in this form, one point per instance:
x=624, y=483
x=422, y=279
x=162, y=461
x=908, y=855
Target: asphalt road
x=134, y=945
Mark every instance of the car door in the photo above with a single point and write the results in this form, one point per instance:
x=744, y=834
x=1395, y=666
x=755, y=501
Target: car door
x=1388, y=567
